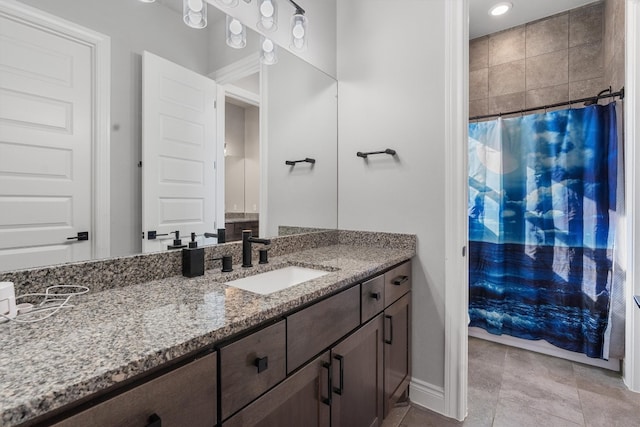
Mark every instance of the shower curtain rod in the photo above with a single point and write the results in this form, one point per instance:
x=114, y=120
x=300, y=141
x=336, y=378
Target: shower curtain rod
x=592, y=99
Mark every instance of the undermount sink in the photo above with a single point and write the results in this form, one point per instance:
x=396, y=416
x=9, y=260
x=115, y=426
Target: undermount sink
x=276, y=280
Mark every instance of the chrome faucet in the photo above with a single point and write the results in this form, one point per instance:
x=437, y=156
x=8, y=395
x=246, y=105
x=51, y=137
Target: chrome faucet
x=247, y=240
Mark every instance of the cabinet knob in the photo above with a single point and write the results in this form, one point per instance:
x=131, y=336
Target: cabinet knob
x=375, y=295
x=262, y=363
x=154, y=421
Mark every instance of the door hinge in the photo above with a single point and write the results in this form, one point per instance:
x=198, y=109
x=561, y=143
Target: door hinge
x=464, y=251
x=215, y=104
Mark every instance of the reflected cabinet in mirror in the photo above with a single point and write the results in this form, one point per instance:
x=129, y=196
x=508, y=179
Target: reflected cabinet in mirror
x=120, y=126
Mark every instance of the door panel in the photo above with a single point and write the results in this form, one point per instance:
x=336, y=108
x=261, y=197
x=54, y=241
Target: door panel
x=397, y=357
x=46, y=138
x=357, y=378
x=178, y=152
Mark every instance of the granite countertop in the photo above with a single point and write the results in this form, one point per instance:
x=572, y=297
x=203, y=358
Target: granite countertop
x=116, y=334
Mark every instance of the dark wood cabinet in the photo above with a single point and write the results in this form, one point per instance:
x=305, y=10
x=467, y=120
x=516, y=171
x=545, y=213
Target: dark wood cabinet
x=397, y=354
x=301, y=400
x=357, y=364
x=234, y=229
x=250, y=366
x=315, y=328
x=184, y=396
x=397, y=282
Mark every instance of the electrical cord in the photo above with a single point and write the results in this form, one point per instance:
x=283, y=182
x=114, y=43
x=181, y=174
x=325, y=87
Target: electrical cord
x=53, y=302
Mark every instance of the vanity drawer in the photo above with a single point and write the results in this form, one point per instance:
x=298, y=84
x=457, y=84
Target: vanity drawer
x=372, y=296
x=315, y=328
x=251, y=366
x=397, y=282
x=184, y=396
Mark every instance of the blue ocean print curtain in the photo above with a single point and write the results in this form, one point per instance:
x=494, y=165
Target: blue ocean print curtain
x=542, y=198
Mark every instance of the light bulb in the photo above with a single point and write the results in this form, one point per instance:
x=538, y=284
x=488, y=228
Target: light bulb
x=228, y=3
x=267, y=45
x=298, y=31
x=235, y=27
x=267, y=9
x=267, y=16
x=195, y=5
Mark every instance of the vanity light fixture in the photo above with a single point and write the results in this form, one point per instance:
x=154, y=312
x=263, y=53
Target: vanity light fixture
x=268, y=15
x=298, y=29
x=228, y=3
x=236, y=33
x=194, y=13
x=500, y=8
x=268, y=55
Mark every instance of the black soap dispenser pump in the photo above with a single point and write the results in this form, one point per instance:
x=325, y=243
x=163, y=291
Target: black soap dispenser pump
x=193, y=259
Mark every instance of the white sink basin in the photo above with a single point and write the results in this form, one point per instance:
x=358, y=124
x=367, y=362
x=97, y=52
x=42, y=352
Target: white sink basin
x=276, y=280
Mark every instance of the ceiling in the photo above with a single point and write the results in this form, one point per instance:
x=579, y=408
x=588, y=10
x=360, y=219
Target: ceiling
x=523, y=11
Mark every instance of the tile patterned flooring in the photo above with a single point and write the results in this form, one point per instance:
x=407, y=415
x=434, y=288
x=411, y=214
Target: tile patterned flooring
x=511, y=387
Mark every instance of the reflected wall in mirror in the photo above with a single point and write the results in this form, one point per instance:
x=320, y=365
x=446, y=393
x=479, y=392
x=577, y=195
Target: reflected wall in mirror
x=291, y=124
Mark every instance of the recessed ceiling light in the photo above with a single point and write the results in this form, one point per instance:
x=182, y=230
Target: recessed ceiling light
x=500, y=8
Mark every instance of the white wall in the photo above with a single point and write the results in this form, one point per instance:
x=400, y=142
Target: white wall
x=321, y=15
x=252, y=159
x=234, y=163
x=164, y=34
x=390, y=67
x=302, y=122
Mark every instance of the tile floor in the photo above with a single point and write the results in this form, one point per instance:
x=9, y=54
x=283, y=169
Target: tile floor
x=510, y=387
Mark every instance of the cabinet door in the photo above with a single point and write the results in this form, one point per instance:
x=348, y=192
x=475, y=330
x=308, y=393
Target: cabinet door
x=184, y=396
x=317, y=327
x=300, y=400
x=357, y=378
x=397, y=354
x=251, y=366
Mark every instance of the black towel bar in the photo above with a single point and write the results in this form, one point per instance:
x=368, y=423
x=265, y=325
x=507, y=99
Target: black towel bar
x=387, y=151
x=306, y=160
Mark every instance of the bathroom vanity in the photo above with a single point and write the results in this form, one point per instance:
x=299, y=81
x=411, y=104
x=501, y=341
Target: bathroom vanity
x=175, y=351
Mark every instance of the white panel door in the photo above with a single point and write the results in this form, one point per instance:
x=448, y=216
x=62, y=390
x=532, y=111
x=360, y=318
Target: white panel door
x=178, y=153
x=45, y=146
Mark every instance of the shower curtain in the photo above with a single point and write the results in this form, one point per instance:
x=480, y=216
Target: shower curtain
x=542, y=215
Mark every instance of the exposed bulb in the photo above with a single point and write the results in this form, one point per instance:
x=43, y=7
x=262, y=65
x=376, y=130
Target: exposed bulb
x=298, y=30
x=195, y=5
x=235, y=27
x=267, y=9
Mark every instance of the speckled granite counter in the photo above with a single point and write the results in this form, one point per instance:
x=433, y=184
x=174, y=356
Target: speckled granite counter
x=119, y=333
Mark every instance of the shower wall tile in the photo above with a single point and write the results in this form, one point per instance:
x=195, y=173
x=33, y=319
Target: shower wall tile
x=548, y=61
x=507, y=46
x=586, y=88
x=586, y=24
x=613, y=43
x=547, y=35
x=478, y=84
x=550, y=69
x=504, y=103
x=479, y=53
x=586, y=62
x=506, y=78
x=479, y=107
x=547, y=95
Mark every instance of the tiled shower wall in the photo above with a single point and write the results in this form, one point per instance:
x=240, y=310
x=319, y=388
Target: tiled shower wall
x=542, y=62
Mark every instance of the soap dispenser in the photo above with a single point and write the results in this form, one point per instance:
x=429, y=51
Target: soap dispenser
x=193, y=259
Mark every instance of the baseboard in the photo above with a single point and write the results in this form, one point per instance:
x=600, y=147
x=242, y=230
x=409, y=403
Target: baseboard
x=542, y=346
x=427, y=396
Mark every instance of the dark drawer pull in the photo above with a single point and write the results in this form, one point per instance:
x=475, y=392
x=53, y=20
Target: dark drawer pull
x=327, y=400
x=154, y=421
x=262, y=363
x=390, y=340
x=340, y=389
x=375, y=295
x=400, y=280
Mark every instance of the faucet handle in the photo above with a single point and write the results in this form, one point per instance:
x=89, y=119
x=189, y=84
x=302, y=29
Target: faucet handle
x=227, y=263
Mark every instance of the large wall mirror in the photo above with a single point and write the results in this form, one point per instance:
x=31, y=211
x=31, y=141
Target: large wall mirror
x=266, y=115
